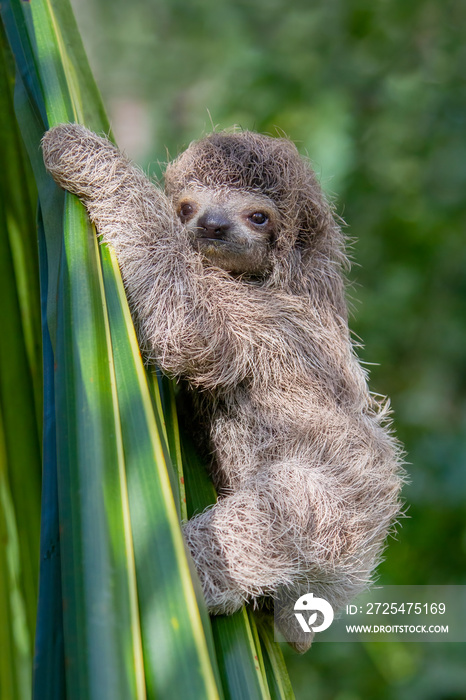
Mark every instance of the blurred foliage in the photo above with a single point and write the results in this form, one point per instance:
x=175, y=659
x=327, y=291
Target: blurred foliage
x=375, y=93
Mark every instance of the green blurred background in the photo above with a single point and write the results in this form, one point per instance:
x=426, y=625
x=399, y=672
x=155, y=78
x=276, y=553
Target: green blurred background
x=375, y=94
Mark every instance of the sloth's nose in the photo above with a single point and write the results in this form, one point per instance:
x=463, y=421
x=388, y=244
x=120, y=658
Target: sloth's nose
x=213, y=224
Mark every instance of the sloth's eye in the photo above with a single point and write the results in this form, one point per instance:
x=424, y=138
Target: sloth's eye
x=186, y=210
x=258, y=218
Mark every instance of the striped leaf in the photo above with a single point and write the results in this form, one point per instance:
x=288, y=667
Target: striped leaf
x=119, y=597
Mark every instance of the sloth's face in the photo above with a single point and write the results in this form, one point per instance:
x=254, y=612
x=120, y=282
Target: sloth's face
x=233, y=230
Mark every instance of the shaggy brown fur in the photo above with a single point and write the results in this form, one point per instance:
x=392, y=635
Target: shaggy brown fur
x=307, y=473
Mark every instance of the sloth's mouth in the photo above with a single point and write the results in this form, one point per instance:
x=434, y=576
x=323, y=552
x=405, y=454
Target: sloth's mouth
x=211, y=235
x=217, y=249
x=230, y=256
x=215, y=242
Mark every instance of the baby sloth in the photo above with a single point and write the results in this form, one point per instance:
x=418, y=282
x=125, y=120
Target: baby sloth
x=234, y=278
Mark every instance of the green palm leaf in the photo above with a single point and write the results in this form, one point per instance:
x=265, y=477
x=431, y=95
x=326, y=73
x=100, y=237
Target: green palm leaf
x=20, y=395
x=133, y=622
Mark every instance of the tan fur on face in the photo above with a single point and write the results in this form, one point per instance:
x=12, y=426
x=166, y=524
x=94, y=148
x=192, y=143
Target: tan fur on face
x=244, y=247
x=307, y=471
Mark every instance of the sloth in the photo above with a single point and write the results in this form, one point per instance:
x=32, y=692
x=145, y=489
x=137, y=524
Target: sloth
x=235, y=279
